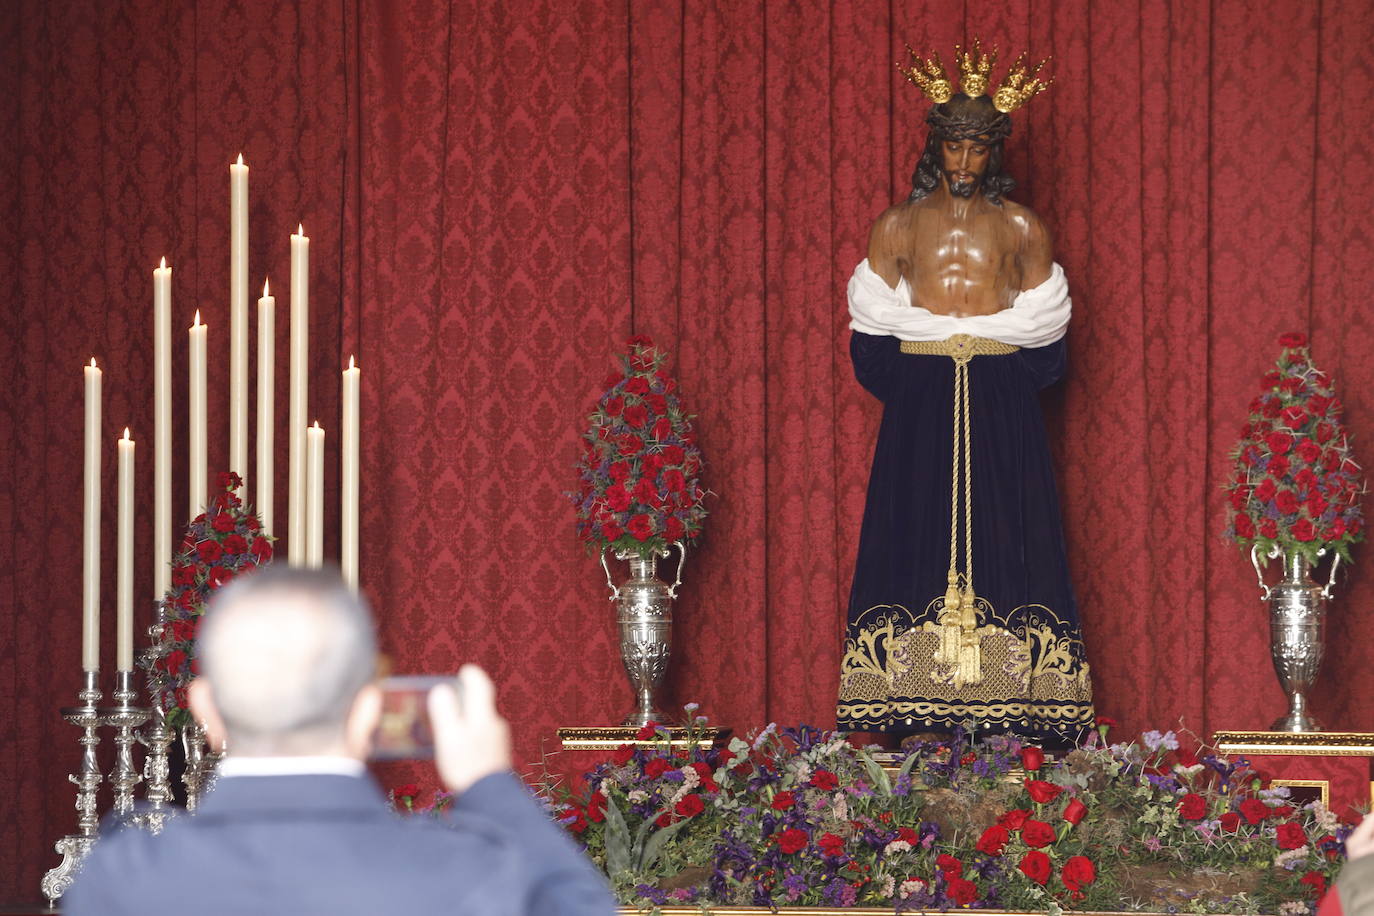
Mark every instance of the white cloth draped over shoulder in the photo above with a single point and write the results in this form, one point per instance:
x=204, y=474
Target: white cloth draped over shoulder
x=1038, y=317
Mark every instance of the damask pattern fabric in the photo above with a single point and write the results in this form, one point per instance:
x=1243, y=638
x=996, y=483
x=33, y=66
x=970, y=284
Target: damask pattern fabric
x=499, y=194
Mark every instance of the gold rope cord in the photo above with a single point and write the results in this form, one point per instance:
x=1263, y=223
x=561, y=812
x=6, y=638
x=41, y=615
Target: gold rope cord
x=959, y=645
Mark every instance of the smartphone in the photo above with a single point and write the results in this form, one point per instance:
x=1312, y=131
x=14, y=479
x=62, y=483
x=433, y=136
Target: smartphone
x=404, y=731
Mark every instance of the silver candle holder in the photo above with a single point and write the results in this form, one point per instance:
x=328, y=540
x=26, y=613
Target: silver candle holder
x=157, y=738
x=124, y=717
x=74, y=847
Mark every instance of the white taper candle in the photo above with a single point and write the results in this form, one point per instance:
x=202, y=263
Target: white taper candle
x=162, y=430
x=267, y=330
x=314, y=488
x=198, y=420
x=300, y=381
x=124, y=561
x=238, y=320
x=90, y=540
x=348, y=483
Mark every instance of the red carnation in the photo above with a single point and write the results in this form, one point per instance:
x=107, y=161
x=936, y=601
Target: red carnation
x=792, y=840
x=578, y=823
x=1286, y=501
x=949, y=866
x=223, y=522
x=1315, y=880
x=674, y=480
x=1230, y=822
x=1014, y=819
x=262, y=549
x=175, y=660
x=183, y=575
x=1244, y=527
x=1290, y=836
x=1192, y=807
x=1269, y=529
x=909, y=835
x=1303, y=530
x=673, y=454
x=611, y=531
x=228, y=480
x=657, y=403
x=1277, y=467
x=596, y=808
x=1309, y=451
x=1293, y=339
x=619, y=471
x=1266, y=490
x=690, y=805
x=656, y=768
x=1279, y=442
x=824, y=780
x=962, y=892
x=629, y=444
x=637, y=385
x=1294, y=417
x=617, y=498
x=209, y=551
x=1036, y=834
x=614, y=406
x=636, y=415
x=783, y=800
x=831, y=845
x=673, y=529
x=663, y=428
x=622, y=754
x=409, y=790
x=1254, y=810
x=646, y=493
x=993, y=840
x=1042, y=792
x=1036, y=866
x=641, y=527
x=1078, y=873
x=218, y=576
x=235, y=544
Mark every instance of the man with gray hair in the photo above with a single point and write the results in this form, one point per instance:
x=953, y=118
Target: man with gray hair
x=294, y=823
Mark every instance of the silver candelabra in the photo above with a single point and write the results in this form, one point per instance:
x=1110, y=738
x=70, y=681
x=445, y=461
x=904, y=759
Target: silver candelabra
x=74, y=847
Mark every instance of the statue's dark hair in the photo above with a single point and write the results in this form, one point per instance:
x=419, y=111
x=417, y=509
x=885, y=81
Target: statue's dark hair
x=964, y=118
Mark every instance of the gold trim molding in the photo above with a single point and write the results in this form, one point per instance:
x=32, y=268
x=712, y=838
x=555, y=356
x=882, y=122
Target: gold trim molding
x=1296, y=744
x=610, y=737
x=828, y=911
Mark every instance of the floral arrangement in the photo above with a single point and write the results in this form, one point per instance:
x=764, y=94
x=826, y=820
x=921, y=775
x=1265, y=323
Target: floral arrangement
x=1295, y=486
x=222, y=542
x=639, y=490
x=796, y=817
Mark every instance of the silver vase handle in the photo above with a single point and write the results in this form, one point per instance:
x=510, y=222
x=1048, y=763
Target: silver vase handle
x=681, y=561
x=1259, y=573
x=1330, y=587
x=615, y=592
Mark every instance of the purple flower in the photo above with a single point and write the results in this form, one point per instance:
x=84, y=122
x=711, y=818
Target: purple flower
x=840, y=893
x=793, y=886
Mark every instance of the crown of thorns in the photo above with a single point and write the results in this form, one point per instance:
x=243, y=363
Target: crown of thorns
x=1018, y=86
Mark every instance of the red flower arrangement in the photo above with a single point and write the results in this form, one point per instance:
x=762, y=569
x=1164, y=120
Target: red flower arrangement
x=1295, y=486
x=639, y=488
x=222, y=542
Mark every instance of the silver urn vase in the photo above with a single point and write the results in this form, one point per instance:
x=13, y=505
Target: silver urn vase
x=1297, y=633
x=644, y=614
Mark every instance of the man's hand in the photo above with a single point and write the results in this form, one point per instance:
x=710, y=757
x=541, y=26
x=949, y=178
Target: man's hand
x=1361, y=841
x=471, y=740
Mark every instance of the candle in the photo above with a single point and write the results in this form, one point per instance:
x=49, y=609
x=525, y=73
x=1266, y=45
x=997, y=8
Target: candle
x=267, y=330
x=162, y=430
x=348, y=459
x=198, y=421
x=124, y=578
x=90, y=541
x=300, y=346
x=314, y=489
x=238, y=319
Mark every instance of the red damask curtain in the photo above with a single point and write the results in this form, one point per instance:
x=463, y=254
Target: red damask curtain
x=499, y=194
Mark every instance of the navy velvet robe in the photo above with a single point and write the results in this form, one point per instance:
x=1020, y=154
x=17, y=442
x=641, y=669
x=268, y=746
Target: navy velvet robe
x=1035, y=676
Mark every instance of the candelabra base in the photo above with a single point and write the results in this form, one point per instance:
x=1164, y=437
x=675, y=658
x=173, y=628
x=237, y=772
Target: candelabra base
x=73, y=850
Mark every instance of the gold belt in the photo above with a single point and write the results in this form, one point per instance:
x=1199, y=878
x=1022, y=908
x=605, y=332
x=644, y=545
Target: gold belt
x=959, y=346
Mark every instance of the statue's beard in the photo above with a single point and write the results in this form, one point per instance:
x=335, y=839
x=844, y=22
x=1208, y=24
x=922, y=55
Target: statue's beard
x=963, y=189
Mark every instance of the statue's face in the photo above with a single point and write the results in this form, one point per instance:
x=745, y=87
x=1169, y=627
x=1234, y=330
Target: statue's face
x=963, y=163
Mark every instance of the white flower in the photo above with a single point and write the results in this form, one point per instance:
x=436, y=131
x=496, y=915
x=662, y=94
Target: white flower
x=690, y=778
x=909, y=887
x=1293, y=908
x=885, y=889
x=895, y=847
x=637, y=795
x=692, y=707
x=1290, y=858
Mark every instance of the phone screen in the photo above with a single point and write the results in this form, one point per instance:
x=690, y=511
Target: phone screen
x=404, y=731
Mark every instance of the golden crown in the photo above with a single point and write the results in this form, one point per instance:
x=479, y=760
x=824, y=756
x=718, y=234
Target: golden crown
x=1018, y=87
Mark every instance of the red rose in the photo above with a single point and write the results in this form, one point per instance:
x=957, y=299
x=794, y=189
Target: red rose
x=629, y=444
x=656, y=767
x=1287, y=502
x=1290, y=836
x=596, y=808
x=622, y=754
x=662, y=428
x=690, y=805
x=222, y=522
x=1014, y=819
x=1192, y=807
x=1078, y=873
x=792, y=840
x=993, y=840
x=614, y=406
x=1304, y=530
x=636, y=415
x=235, y=544
x=1315, y=880
x=1042, y=792
x=673, y=529
x=619, y=471
x=783, y=800
x=831, y=845
x=1037, y=834
x=1032, y=758
x=209, y=551
x=1244, y=527
x=1230, y=822
x=1277, y=467
x=962, y=892
x=1293, y=339
x=641, y=527
x=409, y=790
x=1279, y=442
x=1075, y=811
x=1036, y=866
x=1254, y=810
x=218, y=576
x=1269, y=528
x=637, y=385
x=824, y=780
x=1266, y=490
x=949, y=866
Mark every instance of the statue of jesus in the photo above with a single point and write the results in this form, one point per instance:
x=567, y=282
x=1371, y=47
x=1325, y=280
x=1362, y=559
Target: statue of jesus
x=961, y=611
